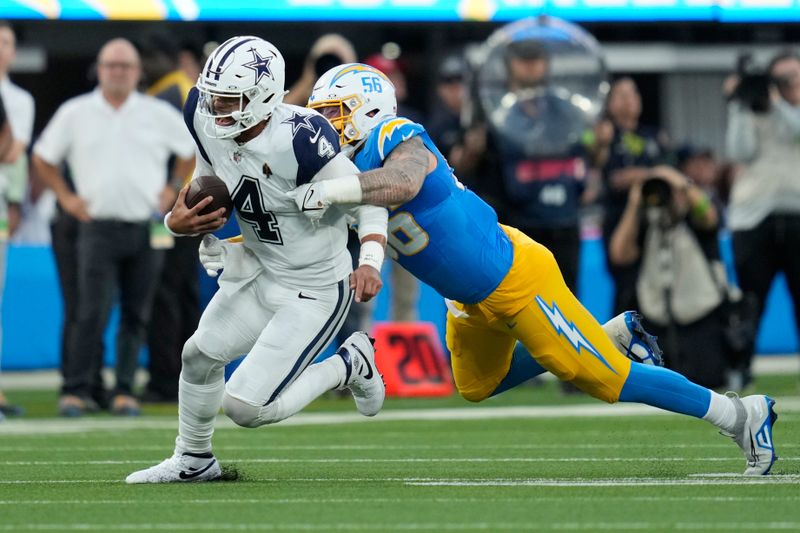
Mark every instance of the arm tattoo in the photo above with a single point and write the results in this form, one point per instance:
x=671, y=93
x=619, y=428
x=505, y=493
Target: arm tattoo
x=400, y=178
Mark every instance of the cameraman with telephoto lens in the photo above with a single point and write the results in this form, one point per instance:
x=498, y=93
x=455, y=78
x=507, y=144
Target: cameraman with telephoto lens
x=668, y=232
x=763, y=136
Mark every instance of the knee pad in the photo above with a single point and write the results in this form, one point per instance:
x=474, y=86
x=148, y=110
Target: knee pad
x=471, y=389
x=473, y=395
x=211, y=342
x=601, y=392
x=198, y=367
x=271, y=413
x=251, y=416
x=242, y=413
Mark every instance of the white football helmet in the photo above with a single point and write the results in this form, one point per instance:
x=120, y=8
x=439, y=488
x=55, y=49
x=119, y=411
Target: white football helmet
x=248, y=68
x=364, y=96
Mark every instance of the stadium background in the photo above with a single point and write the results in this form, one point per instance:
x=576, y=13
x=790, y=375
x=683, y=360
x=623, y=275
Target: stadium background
x=678, y=51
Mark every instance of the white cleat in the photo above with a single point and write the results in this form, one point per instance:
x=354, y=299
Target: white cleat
x=180, y=468
x=363, y=378
x=630, y=338
x=755, y=417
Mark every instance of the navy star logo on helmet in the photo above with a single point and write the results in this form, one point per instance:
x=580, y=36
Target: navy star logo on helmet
x=260, y=65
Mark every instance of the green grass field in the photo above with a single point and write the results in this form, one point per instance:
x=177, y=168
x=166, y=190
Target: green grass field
x=528, y=461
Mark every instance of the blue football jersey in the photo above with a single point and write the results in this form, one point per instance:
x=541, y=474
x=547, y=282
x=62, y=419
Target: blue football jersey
x=445, y=236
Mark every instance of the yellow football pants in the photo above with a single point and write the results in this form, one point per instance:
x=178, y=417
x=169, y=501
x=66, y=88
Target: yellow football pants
x=533, y=305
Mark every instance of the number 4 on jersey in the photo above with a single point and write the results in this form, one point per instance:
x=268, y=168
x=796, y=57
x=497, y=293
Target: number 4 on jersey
x=247, y=199
x=325, y=148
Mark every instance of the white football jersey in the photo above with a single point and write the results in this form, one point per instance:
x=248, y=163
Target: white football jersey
x=296, y=143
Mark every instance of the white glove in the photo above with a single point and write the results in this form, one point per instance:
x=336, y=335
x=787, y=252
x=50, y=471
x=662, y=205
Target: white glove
x=311, y=199
x=212, y=254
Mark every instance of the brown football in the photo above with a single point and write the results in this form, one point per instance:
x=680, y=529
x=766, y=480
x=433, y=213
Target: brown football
x=213, y=186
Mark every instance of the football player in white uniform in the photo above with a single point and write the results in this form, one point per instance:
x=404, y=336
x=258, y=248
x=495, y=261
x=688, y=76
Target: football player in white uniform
x=284, y=291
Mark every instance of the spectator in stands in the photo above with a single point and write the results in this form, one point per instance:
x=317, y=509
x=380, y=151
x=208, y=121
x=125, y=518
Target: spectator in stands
x=540, y=195
x=190, y=60
x=117, y=143
x=668, y=232
x=444, y=124
x=464, y=148
x=176, y=307
x=624, y=151
x=6, y=140
x=764, y=207
x=326, y=52
x=18, y=118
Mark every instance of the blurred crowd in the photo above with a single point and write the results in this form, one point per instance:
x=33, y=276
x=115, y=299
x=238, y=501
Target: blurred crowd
x=109, y=164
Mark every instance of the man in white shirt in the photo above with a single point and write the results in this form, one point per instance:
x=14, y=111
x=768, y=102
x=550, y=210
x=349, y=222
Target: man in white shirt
x=14, y=161
x=117, y=143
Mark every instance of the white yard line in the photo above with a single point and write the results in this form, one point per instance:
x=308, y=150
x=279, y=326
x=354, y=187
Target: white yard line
x=60, y=425
x=347, y=501
x=388, y=447
x=717, y=479
x=532, y=525
x=403, y=460
x=628, y=482
x=51, y=379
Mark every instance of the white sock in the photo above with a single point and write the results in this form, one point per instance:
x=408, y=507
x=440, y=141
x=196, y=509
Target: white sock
x=721, y=412
x=314, y=381
x=198, y=406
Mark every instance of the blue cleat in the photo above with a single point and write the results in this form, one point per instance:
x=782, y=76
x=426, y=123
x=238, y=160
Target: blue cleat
x=755, y=417
x=630, y=338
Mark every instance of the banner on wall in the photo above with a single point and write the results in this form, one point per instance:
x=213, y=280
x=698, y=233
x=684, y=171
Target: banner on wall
x=404, y=10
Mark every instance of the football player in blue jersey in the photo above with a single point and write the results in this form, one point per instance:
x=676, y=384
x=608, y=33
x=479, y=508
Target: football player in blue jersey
x=500, y=286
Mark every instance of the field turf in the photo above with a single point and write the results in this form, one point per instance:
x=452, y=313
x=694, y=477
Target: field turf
x=527, y=461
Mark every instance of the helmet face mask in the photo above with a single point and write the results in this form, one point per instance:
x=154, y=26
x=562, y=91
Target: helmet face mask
x=222, y=128
x=363, y=96
x=245, y=68
x=341, y=113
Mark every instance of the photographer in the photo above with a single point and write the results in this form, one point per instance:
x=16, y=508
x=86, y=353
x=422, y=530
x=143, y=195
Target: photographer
x=625, y=150
x=668, y=231
x=764, y=213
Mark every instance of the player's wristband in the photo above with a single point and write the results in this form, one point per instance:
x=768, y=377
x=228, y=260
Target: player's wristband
x=166, y=225
x=344, y=190
x=371, y=254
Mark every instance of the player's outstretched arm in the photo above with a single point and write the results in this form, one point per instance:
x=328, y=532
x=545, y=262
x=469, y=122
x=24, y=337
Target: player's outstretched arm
x=401, y=177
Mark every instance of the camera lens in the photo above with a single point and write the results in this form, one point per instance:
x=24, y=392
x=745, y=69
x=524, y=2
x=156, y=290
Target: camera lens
x=656, y=192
